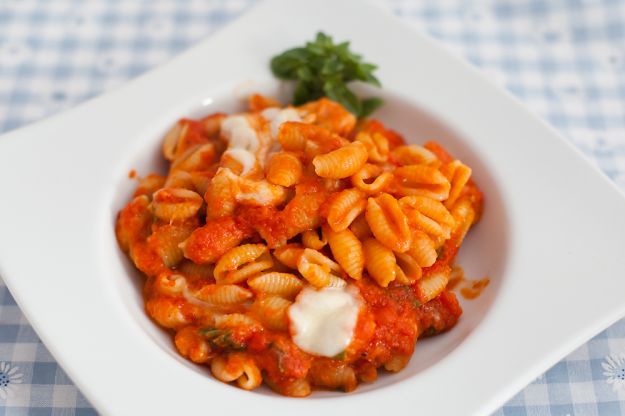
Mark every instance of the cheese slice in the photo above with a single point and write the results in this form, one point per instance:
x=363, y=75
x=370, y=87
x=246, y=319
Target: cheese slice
x=323, y=321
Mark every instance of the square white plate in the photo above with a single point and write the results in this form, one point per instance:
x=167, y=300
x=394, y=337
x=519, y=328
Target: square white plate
x=552, y=239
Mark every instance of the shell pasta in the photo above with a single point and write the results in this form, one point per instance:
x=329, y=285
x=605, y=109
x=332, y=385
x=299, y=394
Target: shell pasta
x=298, y=246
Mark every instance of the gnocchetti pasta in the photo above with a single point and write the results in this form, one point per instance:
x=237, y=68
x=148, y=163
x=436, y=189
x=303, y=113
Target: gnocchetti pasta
x=298, y=246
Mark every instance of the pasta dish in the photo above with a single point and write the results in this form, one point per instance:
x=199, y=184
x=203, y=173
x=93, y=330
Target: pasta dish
x=299, y=246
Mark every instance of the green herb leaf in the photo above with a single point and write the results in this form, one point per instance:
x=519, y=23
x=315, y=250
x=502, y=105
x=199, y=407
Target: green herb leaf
x=323, y=68
x=210, y=333
x=339, y=92
x=429, y=332
x=285, y=66
x=370, y=105
x=221, y=339
x=301, y=93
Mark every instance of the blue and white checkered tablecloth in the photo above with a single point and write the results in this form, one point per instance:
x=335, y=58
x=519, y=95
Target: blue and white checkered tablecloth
x=564, y=58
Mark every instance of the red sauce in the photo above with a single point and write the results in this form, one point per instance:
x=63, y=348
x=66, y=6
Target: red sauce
x=475, y=288
x=455, y=278
x=438, y=315
x=390, y=320
x=469, y=289
x=208, y=243
x=393, y=311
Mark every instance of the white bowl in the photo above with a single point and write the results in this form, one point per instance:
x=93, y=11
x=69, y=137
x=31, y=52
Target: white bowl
x=551, y=239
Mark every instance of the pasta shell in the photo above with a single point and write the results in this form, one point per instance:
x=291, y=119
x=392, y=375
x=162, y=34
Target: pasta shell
x=166, y=311
x=428, y=215
x=272, y=311
x=344, y=207
x=414, y=155
x=464, y=215
x=408, y=270
x=379, y=261
x=432, y=285
x=347, y=251
x=235, y=320
x=171, y=204
x=170, y=141
x=170, y=284
x=149, y=185
x=397, y=363
x=198, y=157
x=223, y=295
x=315, y=267
x=325, y=373
x=284, y=169
x=285, y=285
x=342, y=162
x=422, y=249
x=388, y=222
x=377, y=146
x=310, y=239
x=167, y=238
x=179, y=179
x=196, y=271
x=381, y=180
x=336, y=281
x=421, y=180
x=289, y=254
x=331, y=116
x=360, y=228
x=220, y=195
x=458, y=175
x=239, y=367
x=133, y=222
x=201, y=180
x=241, y=262
x=192, y=345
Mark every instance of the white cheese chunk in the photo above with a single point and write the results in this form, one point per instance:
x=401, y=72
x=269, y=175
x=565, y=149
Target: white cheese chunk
x=323, y=321
x=244, y=157
x=239, y=133
x=277, y=116
x=261, y=194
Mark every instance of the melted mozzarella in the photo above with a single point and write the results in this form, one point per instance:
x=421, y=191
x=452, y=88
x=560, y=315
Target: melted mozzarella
x=244, y=157
x=253, y=192
x=181, y=286
x=277, y=116
x=261, y=194
x=239, y=133
x=323, y=321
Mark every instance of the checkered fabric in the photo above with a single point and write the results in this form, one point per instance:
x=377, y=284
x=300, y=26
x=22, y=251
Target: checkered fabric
x=564, y=58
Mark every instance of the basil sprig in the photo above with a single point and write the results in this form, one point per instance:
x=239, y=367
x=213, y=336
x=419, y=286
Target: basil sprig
x=323, y=69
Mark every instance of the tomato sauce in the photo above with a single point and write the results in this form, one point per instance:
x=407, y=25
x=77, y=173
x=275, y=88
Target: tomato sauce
x=390, y=319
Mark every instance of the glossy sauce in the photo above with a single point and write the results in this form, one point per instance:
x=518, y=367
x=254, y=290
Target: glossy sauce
x=469, y=289
x=475, y=288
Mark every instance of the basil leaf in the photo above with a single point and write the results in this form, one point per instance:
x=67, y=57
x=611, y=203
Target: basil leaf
x=369, y=105
x=323, y=68
x=210, y=332
x=301, y=94
x=341, y=94
x=285, y=65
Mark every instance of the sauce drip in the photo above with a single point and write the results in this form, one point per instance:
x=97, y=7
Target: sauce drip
x=469, y=289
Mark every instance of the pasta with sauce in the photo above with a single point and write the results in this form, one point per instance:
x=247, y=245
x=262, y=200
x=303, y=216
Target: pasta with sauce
x=298, y=246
